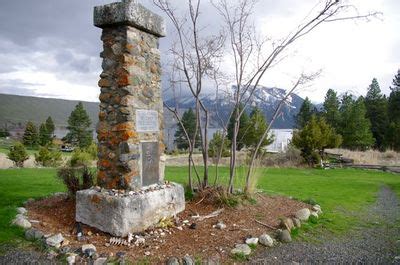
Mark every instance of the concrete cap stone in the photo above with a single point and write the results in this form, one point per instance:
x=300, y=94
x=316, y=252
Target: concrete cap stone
x=131, y=13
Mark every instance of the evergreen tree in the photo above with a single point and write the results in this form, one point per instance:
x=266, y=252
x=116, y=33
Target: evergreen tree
x=189, y=123
x=314, y=138
x=257, y=127
x=18, y=154
x=393, y=133
x=355, y=127
x=30, y=137
x=4, y=132
x=215, y=146
x=307, y=109
x=396, y=82
x=44, y=136
x=79, y=123
x=376, y=105
x=243, y=128
x=50, y=126
x=331, y=109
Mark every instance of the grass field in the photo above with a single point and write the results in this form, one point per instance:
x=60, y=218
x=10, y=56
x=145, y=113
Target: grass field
x=338, y=191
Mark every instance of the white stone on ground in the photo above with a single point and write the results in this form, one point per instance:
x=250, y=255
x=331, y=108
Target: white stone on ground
x=71, y=259
x=284, y=236
x=241, y=249
x=266, y=240
x=22, y=222
x=88, y=246
x=303, y=214
x=317, y=209
x=296, y=222
x=252, y=241
x=100, y=261
x=315, y=214
x=55, y=240
x=22, y=210
x=220, y=225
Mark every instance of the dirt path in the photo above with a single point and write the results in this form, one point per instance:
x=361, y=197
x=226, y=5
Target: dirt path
x=376, y=241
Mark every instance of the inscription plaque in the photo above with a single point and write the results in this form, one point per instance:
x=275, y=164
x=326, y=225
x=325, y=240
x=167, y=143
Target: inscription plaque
x=147, y=121
x=150, y=163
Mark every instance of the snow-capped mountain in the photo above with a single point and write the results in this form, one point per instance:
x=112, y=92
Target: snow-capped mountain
x=266, y=98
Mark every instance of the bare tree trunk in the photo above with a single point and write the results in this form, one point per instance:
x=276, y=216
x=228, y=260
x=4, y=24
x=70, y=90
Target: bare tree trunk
x=265, y=134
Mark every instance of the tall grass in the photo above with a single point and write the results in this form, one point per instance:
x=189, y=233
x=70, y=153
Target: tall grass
x=371, y=157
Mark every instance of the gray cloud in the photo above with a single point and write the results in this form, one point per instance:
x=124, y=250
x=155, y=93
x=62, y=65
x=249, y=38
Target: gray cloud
x=58, y=36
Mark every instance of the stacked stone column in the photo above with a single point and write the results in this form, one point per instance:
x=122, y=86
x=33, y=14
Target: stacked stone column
x=130, y=81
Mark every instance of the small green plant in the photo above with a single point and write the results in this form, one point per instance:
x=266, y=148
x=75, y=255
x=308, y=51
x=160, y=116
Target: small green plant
x=216, y=144
x=253, y=246
x=294, y=232
x=80, y=157
x=18, y=154
x=92, y=150
x=48, y=158
x=313, y=219
x=240, y=257
x=189, y=195
x=76, y=179
x=229, y=200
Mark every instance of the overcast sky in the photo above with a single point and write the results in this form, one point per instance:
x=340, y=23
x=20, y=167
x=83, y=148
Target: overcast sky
x=50, y=48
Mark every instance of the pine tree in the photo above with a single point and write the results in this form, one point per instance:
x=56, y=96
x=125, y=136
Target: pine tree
x=393, y=132
x=257, y=127
x=376, y=105
x=50, y=126
x=216, y=144
x=307, y=109
x=189, y=123
x=44, y=136
x=331, y=109
x=18, y=154
x=79, y=123
x=355, y=127
x=314, y=138
x=30, y=137
x=396, y=82
x=243, y=128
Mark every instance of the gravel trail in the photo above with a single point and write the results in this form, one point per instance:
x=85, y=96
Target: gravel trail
x=376, y=241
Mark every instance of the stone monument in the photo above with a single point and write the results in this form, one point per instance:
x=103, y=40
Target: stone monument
x=131, y=194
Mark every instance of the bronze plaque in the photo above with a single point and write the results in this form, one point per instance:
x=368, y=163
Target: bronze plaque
x=150, y=163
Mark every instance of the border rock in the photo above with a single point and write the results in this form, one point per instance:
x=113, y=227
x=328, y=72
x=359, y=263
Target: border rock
x=241, y=249
x=266, y=240
x=303, y=214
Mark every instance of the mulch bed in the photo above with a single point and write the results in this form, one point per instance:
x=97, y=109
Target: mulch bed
x=57, y=215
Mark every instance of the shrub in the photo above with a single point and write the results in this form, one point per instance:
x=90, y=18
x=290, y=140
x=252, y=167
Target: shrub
x=215, y=146
x=18, y=154
x=80, y=158
x=48, y=158
x=92, y=150
x=76, y=178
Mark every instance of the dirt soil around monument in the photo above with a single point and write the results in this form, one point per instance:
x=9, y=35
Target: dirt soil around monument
x=57, y=215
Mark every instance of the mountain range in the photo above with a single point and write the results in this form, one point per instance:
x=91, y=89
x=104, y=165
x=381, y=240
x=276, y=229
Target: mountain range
x=265, y=98
x=15, y=110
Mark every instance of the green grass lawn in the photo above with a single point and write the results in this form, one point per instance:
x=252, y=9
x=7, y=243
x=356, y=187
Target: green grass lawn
x=338, y=191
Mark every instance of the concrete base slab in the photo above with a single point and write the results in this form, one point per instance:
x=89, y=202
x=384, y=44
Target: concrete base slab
x=128, y=212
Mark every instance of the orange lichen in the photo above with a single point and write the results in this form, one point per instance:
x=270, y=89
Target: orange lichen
x=105, y=163
x=123, y=127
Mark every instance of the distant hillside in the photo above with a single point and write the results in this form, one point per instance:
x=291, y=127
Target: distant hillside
x=17, y=110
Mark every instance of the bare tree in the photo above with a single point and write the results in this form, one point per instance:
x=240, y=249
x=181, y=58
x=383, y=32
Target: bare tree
x=196, y=56
x=251, y=61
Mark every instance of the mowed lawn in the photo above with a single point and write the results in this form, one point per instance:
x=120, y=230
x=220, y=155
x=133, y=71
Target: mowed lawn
x=340, y=191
